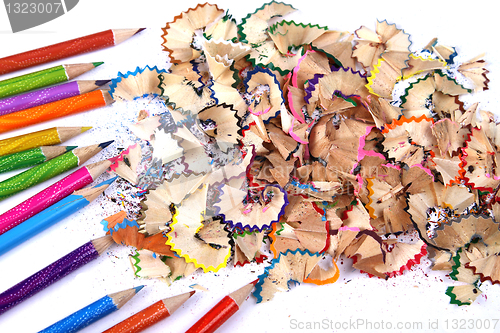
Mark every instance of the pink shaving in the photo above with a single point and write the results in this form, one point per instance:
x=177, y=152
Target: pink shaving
x=349, y=229
x=361, y=152
x=393, y=166
x=297, y=68
x=120, y=157
x=296, y=115
x=247, y=210
x=295, y=136
x=259, y=113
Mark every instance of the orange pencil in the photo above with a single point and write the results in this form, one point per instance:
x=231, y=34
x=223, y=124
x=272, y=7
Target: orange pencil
x=222, y=311
x=64, y=107
x=150, y=315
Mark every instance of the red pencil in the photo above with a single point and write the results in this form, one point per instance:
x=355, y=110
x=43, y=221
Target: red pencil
x=150, y=315
x=222, y=311
x=65, y=49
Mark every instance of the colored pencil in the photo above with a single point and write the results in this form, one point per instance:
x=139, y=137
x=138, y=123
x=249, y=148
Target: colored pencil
x=48, y=95
x=49, y=169
x=52, y=194
x=30, y=157
x=150, y=315
x=43, y=78
x=93, y=312
x=46, y=137
x=50, y=216
x=65, y=49
x=53, y=272
x=65, y=107
x=222, y=311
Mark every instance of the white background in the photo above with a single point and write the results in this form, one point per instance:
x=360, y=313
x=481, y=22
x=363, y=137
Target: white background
x=418, y=296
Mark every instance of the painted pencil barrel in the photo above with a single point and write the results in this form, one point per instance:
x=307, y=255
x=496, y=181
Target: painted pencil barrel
x=141, y=320
x=21, y=160
x=47, y=137
x=40, y=222
x=50, y=216
x=44, y=199
x=32, y=81
x=56, y=51
x=20, y=143
x=65, y=107
x=47, y=276
x=38, y=97
x=83, y=317
x=214, y=318
x=38, y=174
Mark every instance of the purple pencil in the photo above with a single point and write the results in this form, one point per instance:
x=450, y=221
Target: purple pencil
x=54, y=272
x=48, y=95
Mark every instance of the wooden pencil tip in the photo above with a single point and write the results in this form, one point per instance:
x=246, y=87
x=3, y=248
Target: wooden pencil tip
x=241, y=294
x=107, y=97
x=175, y=302
x=141, y=29
x=91, y=193
x=97, y=64
x=68, y=148
x=101, y=82
x=102, y=243
x=105, y=144
x=122, y=297
x=107, y=182
x=138, y=288
x=85, y=153
x=96, y=169
x=85, y=129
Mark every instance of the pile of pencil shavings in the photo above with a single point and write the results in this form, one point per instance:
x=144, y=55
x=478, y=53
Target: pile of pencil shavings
x=313, y=144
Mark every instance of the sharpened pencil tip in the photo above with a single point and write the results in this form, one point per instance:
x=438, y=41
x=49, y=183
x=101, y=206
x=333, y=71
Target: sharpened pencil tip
x=107, y=182
x=101, y=82
x=141, y=29
x=68, y=148
x=105, y=144
x=138, y=288
x=85, y=129
x=97, y=64
x=254, y=282
x=191, y=293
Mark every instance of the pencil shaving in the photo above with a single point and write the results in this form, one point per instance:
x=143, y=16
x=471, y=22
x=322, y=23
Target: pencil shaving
x=332, y=144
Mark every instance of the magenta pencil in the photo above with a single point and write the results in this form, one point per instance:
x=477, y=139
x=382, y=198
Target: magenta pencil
x=47, y=95
x=52, y=194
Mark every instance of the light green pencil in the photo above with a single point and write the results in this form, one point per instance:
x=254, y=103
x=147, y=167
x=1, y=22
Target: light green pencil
x=49, y=169
x=31, y=157
x=43, y=78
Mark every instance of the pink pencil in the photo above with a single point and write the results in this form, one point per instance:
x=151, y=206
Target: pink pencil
x=51, y=195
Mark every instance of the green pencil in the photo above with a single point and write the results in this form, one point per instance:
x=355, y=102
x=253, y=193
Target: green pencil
x=31, y=157
x=43, y=78
x=49, y=169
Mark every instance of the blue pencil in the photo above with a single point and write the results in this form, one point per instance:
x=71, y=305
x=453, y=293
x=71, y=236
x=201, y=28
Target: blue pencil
x=93, y=312
x=51, y=216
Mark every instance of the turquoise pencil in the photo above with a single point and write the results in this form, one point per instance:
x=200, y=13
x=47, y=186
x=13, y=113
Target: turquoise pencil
x=93, y=312
x=50, y=216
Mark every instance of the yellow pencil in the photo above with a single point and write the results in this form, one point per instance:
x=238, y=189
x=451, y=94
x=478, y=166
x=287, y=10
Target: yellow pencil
x=47, y=137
